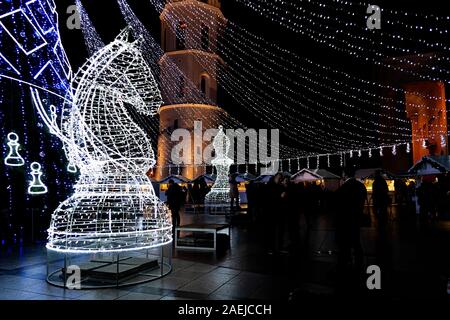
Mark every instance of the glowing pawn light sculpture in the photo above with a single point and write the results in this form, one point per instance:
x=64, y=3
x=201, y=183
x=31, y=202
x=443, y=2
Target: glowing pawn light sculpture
x=36, y=185
x=219, y=196
x=13, y=158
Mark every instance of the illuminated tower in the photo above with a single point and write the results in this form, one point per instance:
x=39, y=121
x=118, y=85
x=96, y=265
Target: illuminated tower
x=424, y=104
x=189, y=31
x=428, y=118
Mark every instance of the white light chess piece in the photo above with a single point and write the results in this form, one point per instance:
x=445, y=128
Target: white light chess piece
x=53, y=118
x=219, y=196
x=13, y=158
x=36, y=184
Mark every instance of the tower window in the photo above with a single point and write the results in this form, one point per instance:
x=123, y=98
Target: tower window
x=205, y=37
x=181, y=35
x=203, y=85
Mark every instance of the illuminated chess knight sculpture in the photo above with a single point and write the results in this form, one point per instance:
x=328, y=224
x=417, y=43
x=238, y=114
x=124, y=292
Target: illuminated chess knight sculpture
x=114, y=207
x=219, y=196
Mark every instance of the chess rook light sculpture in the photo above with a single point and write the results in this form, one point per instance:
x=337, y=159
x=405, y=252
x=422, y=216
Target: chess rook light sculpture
x=219, y=196
x=114, y=207
x=36, y=185
x=13, y=158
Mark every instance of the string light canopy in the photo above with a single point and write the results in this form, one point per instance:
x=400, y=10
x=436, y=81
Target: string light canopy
x=114, y=207
x=355, y=132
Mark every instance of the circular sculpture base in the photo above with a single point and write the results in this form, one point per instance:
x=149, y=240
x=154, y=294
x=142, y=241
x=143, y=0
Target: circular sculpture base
x=109, y=269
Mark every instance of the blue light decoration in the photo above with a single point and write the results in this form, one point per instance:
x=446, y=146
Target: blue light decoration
x=31, y=57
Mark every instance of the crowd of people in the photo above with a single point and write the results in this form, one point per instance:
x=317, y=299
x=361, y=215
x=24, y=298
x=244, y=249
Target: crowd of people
x=280, y=207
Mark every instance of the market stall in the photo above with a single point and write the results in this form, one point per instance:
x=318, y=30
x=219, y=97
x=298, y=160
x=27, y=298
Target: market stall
x=322, y=177
x=164, y=184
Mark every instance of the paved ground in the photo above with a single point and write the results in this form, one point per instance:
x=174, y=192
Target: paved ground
x=415, y=263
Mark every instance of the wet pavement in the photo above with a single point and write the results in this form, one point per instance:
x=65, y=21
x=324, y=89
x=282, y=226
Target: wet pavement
x=414, y=260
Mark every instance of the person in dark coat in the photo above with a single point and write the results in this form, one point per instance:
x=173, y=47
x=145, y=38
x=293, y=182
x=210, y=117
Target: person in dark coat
x=272, y=193
x=234, y=193
x=380, y=197
x=425, y=198
x=350, y=200
x=289, y=217
x=175, y=197
x=250, y=190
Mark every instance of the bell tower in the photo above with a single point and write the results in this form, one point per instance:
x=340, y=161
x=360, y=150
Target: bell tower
x=189, y=31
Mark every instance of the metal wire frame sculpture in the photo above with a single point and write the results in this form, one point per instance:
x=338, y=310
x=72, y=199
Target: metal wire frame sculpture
x=114, y=207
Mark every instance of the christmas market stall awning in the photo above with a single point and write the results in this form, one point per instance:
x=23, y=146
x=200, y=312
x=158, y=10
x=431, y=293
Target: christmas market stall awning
x=209, y=179
x=264, y=178
x=305, y=175
x=244, y=177
x=431, y=165
x=329, y=180
x=176, y=178
x=164, y=184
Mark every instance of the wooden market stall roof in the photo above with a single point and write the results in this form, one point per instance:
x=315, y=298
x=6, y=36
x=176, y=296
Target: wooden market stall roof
x=175, y=178
x=431, y=165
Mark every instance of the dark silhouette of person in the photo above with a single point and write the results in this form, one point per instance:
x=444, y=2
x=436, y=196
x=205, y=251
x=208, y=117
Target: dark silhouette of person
x=442, y=190
x=312, y=194
x=234, y=193
x=380, y=197
x=202, y=190
x=425, y=198
x=288, y=222
x=175, y=199
x=250, y=190
x=350, y=200
x=196, y=193
x=272, y=196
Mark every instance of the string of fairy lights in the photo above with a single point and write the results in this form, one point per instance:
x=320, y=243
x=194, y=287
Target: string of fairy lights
x=382, y=114
x=190, y=8
x=198, y=15
x=340, y=83
x=257, y=104
x=261, y=75
x=245, y=99
x=95, y=42
x=154, y=126
x=170, y=82
x=298, y=19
